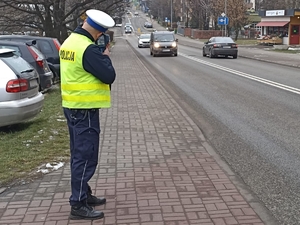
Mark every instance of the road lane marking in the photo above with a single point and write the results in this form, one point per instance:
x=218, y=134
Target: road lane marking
x=246, y=75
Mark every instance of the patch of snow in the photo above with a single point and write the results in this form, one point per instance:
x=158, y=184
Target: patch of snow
x=49, y=167
x=60, y=120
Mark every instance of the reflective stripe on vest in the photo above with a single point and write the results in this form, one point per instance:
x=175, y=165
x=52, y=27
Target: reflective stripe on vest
x=79, y=88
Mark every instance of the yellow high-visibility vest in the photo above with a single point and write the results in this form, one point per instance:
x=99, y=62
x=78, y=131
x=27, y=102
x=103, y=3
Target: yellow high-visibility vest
x=80, y=89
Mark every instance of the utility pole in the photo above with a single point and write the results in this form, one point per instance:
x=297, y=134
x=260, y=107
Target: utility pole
x=226, y=16
x=171, y=13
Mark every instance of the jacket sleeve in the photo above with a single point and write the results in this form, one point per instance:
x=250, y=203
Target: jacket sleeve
x=98, y=65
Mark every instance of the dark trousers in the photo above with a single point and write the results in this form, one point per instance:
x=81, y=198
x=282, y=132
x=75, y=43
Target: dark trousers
x=84, y=130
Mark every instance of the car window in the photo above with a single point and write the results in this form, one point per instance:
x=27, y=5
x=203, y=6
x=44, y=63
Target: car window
x=45, y=46
x=164, y=37
x=16, y=48
x=36, y=51
x=15, y=62
x=145, y=36
x=224, y=39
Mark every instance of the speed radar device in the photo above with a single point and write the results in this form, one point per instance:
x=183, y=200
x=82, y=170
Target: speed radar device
x=103, y=42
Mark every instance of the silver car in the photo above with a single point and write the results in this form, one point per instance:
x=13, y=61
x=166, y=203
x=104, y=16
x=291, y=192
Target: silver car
x=144, y=40
x=20, y=99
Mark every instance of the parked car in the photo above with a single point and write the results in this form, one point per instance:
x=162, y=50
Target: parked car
x=35, y=58
x=20, y=99
x=220, y=46
x=128, y=29
x=144, y=40
x=136, y=13
x=47, y=45
x=163, y=42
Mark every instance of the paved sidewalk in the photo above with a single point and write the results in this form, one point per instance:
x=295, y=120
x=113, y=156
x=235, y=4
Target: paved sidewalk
x=155, y=168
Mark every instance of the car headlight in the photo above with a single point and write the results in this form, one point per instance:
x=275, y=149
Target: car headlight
x=174, y=44
x=156, y=45
x=140, y=42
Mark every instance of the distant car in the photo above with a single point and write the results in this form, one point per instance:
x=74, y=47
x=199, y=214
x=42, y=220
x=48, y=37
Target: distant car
x=220, y=46
x=136, y=13
x=144, y=40
x=127, y=25
x=128, y=29
x=35, y=58
x=128, y=12
x=163, y=43
x=148, y=25
x=20, y=99
x=47, y=45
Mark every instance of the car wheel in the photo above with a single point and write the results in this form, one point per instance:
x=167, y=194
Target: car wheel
x=234, y=56
x=203, y=53
x=139, y=46
x=211, y=55
x=175, y=54
x=151, y=52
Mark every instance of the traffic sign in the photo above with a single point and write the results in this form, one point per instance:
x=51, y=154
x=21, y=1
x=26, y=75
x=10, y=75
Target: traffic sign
x=223, y=20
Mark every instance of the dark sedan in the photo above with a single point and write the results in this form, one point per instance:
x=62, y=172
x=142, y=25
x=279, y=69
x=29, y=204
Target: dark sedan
x=220, y=46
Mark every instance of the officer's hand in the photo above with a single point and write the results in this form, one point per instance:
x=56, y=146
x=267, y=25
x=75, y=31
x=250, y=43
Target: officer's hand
x=106, y=52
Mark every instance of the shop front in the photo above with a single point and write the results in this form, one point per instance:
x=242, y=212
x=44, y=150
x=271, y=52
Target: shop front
x=281, y=26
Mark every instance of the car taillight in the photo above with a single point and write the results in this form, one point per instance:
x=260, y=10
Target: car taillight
x=234, y=46
x=37, y=58
x=216, y=45
x=57, y=44
x=18, y=85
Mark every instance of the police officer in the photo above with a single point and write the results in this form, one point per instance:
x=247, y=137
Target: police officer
x=86, y=76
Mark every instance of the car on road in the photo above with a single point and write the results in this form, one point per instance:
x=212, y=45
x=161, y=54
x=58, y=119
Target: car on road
x=47, y=45
x=20, y=99
x=163, y=43
x=148, y=25
x=144, y=40
x=128, y=30
x=35, y=58
x=136, y=13
x=220, y=46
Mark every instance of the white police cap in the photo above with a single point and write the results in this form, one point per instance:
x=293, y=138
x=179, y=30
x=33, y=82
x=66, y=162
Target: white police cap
x=99, y=20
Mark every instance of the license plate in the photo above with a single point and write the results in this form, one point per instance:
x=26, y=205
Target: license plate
x=226, y=46
x=33, y=83
x=166, y=50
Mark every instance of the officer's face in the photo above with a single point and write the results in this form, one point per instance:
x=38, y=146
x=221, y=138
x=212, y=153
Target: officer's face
x=98, y=35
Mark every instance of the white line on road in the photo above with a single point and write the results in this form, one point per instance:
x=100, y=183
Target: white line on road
x=242, y=74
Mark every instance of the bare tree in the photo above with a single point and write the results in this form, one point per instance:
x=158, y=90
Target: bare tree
x=52, y=17
x=201, y=10
x=277, y=4
x=236, y=12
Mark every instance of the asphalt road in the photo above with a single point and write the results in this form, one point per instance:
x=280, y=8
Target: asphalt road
x=248, y=110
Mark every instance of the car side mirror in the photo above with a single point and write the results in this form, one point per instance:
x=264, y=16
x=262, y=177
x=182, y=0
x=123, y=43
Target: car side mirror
x=206, y=42
x=176, y=40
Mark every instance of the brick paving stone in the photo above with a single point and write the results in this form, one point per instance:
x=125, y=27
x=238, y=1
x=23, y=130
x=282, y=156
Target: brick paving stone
x=153, y=168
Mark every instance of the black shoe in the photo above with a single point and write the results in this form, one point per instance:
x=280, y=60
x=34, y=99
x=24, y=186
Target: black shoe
x=93, y=200
x=85, y=212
